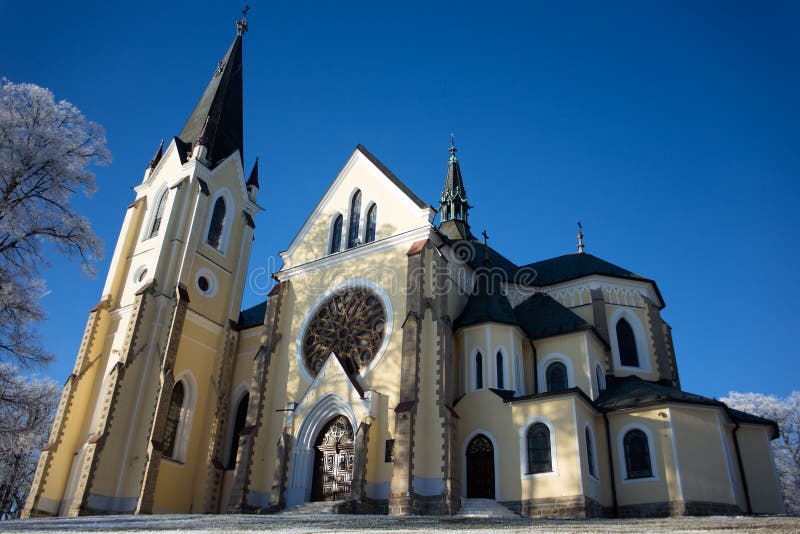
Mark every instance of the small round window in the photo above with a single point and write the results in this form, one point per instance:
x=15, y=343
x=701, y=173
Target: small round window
x=203, y=284
x=206, y=282
x=140, y=274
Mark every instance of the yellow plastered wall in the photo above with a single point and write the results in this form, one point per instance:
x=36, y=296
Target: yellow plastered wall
x=705, y=475
x=597, y=486
x=762, y=483
x=489, y=339
x=664, y=487
x=484, y=412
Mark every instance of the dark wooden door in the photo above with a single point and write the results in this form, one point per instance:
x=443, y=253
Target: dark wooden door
x=480, y=468
x=333, y=462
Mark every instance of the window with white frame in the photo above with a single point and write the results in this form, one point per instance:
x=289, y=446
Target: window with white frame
x=540, y=459
x=591, y=451
x=158, y=214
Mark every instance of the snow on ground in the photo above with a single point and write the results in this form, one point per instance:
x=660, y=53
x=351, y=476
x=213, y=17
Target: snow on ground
x=371, y=523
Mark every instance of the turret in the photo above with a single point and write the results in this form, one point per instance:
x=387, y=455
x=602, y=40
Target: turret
x=453, y=206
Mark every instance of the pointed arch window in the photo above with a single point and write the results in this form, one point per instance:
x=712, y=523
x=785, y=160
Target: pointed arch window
x=556, y=375
x=173, y=420
x=372, y=223
x=214, y=237
x=539, y=454
x=499, y=358
x=626, y=342
x=479, y=371
x=336, y=235
x=355, y=216
x=159, y=214
x=238, y=425
x=637, y=454
x=590, y=452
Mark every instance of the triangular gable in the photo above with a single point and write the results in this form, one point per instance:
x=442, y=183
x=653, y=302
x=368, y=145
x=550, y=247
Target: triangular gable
x=331, y=378
x=399, y=209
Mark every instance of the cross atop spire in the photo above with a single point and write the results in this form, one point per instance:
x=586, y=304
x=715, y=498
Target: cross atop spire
x=241, y=25
x=453, y=148
x=580, y=238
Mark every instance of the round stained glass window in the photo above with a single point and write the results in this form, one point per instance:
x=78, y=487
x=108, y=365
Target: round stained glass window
x=351, y=324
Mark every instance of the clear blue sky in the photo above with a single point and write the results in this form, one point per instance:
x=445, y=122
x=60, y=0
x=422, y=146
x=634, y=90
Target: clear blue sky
x=671, y=129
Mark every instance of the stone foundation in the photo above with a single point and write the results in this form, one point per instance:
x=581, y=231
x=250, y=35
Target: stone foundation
x=678, y=508
x=414, y=504
x=575, y=507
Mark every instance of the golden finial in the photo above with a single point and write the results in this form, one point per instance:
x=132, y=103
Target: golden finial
x=580, y=238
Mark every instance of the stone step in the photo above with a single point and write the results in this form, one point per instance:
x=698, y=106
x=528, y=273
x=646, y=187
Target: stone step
x=483, y=508
x=311, y=508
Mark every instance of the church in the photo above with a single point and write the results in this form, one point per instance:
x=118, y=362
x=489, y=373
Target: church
x=400, y=365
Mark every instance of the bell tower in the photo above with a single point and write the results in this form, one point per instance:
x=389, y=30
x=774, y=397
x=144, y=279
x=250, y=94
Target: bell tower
x=173, y=291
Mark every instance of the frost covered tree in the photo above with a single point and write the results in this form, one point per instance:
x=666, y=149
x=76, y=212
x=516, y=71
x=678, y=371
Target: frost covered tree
x=46, y=148
x=27, y=405
x=785, y=449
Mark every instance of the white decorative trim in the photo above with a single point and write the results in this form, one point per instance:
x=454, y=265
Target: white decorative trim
x=546, y=361
x=213, y=285
x=589, y=368
x=464, y=446
x=377, y=246
x=623, y=466
x=352, y=283
x=596, y=475
x=301, y=470
x=642, y=341
x=184, y=429
x=728, y=461
x=203, y=322
x=523, y=448
x=675, y=454
x=227, y=222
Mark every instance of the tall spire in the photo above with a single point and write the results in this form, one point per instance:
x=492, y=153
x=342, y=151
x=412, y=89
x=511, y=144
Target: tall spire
x=453, y=206
x=218, y=115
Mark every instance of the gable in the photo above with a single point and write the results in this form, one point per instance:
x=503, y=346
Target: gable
x=398, y=208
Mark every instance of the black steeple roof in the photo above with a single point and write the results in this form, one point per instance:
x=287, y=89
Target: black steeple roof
x=453, y=205
x=218, y=115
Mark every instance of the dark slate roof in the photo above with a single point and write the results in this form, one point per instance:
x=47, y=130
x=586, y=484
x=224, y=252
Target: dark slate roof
x=394, y=179
x=253, y=316
x=487, y=304
x=542, y=316
x=631, y=391
x=221, y=104
x=577, y=265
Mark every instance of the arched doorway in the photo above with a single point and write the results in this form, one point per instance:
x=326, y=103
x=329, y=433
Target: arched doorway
x=333, y=461
x=480, y=468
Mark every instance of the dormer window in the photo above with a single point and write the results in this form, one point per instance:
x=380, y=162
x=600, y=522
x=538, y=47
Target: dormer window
x=355, y=216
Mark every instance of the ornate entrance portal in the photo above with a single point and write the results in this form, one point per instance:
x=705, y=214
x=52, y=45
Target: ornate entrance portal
x=480, y=468
x=333, y=461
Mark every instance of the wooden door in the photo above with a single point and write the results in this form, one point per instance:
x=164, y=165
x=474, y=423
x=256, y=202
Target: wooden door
x=333, y=465
x=480, y=468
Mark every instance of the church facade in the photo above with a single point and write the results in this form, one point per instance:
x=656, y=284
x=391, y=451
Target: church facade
x=399, y=365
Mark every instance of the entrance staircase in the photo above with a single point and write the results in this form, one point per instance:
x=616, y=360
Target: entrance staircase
x=484, y=508
x=310, y=509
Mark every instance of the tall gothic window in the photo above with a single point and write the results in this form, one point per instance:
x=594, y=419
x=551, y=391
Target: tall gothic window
x=217, y=224
x=159, y=214
x=539, y=454
x=479, y=371
x=355, y=216
x=500, y=384
x=637, y=454
x=336, y=235
x=556, y=375
x=238, y=425
x=173, y=420
x=372, y=222
x=626, y=342
x=590, y=452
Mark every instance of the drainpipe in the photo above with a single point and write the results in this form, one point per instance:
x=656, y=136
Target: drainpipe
x=749, y=510
x=614, y=504
x=535, y=368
